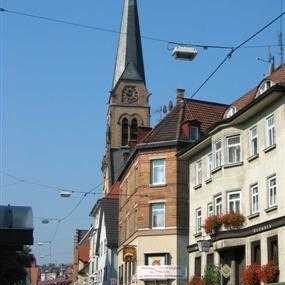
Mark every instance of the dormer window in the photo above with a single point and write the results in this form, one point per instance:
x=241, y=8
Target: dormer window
x=194, y=133
x=230, y=112
x=267, y=84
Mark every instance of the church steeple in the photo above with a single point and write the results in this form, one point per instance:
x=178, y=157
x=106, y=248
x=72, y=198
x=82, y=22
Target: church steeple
x=128, y=109
x=129, y=63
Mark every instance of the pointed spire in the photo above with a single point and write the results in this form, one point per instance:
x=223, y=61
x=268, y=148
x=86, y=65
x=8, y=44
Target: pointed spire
x=129, y=63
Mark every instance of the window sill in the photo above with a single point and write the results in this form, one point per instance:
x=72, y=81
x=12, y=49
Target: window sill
x=209, y=180
x=233, y=164
x=197, y=186
x=252, y=216
x=197, y=235
x=269, y=148
x=253, y=157
x=158, y=228
x=216, y=169
x=271, y=209
x=157, y=185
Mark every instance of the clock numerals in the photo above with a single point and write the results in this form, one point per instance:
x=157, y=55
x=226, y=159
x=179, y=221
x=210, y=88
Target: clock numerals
x=130, y=94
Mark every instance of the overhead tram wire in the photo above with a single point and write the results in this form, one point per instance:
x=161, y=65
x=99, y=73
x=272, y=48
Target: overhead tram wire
x=229, y=55
x=107, y=30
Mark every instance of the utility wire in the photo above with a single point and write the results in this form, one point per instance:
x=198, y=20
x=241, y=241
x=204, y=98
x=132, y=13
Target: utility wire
x=229, y=55
x=107, y=30
x=30, y=182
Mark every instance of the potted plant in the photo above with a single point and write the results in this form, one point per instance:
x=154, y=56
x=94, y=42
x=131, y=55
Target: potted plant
x=233, y=220
x=213, y=224
x=212, y=276
x=251, y=275
x=196, y=280
x=269, y=273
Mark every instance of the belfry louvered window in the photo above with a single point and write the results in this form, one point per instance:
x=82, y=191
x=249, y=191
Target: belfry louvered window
x=125, y=132
x=134, y=129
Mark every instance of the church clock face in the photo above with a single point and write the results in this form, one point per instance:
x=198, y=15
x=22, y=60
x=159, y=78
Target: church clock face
x=130, y=94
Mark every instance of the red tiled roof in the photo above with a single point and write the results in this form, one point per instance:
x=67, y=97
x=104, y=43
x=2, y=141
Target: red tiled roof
x=207, y=113
x=169, y=128
x=277, y=76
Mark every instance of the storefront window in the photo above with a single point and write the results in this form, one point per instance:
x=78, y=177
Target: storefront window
x=255, y=252
x=272, y=247
x=198, y=266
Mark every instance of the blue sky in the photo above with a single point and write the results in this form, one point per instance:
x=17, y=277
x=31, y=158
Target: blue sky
x=57, y=80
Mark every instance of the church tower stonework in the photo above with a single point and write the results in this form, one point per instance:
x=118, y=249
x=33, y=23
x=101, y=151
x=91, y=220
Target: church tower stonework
x=129, y=98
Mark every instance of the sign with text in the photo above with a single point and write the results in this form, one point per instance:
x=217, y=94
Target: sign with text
x=162, y=272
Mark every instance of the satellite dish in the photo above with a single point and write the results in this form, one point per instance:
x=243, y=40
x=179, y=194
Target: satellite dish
x=170, y=106
x=164, y=109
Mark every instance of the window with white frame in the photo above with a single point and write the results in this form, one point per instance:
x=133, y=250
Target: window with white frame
x=233, y=149
x=198, y=220
x=272, y=191
x=194, y=133
x=157, y=215
x=198, y=172
x=217, y=149
x=209, y=164
x=270, y=131
x=158, y=172
x=233, y=199
x=254, y=199
x=210, y=209
x=253, y=144
x=218, y=205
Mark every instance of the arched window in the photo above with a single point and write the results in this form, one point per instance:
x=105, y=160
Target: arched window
x=134, y=129
x=125, y=132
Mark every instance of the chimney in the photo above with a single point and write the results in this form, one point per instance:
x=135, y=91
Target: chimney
x=180, y=95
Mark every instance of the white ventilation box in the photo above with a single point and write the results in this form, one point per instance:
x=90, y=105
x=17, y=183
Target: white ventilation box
x=184, y=53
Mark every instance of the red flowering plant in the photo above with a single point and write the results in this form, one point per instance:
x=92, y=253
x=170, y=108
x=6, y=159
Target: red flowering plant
x=196, y=280
x=269, y=273
x=251, y=275
x=233, y=220
x=213, y=224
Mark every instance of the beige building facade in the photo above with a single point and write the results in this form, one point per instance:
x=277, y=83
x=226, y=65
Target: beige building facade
x=238, y=167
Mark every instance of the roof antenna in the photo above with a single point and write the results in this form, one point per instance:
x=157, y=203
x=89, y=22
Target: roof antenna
x=270, y=60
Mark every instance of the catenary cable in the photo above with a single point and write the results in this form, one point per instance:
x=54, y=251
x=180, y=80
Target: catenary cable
x=229, y=55
x=107, y=30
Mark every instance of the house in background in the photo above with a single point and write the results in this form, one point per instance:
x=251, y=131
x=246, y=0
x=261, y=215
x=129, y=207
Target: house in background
x=104, y=241
x=238, y=168
x=77, y=250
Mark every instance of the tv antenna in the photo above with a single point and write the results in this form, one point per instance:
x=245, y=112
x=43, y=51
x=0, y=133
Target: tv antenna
x=270, y=60
x=281, y=36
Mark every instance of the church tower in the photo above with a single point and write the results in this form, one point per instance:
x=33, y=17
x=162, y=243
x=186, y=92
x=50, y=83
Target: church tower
x=128, y=108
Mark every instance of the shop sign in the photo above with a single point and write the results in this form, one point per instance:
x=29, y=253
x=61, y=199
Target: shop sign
x=162, y=272
x=129, y=253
